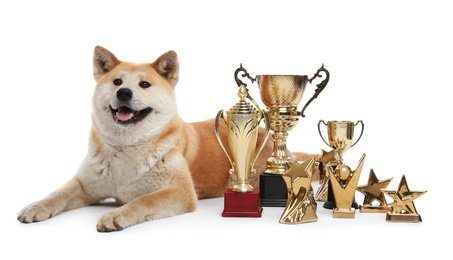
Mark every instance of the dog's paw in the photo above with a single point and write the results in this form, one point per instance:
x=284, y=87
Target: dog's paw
x=34, y=213
x=113, y=221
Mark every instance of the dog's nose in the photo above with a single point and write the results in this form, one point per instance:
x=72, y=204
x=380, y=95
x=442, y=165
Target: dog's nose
x=124, y=94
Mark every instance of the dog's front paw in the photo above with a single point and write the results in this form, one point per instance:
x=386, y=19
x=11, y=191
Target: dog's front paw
x=113, y=221
x=34, y=213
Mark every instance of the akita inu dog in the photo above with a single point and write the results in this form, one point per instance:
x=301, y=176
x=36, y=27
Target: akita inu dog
x=141, y=153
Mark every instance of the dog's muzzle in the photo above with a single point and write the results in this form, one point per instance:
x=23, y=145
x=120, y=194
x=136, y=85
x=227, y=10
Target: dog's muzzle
x=124, y=114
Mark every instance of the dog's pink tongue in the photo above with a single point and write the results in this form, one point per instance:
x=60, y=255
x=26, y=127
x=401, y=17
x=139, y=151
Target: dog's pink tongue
x=124, y=116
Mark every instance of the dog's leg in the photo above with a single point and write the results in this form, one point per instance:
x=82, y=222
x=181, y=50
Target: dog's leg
x=176, y=199
x=70, y=196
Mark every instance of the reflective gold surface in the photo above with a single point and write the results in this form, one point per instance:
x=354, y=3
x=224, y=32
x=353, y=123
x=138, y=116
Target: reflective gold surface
x=403, y=208
x=281, y=94
x=373, y=193
x=300, y=206
x=242, y=123
x=281, y=91
x=330, y=158
x=340, y=135
x=344, y=184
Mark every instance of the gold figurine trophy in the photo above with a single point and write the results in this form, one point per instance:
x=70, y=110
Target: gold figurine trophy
x=337, y=179
x=242, y=122
x=281, y=95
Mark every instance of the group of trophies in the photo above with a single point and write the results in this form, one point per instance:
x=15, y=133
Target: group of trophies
x=286, y=182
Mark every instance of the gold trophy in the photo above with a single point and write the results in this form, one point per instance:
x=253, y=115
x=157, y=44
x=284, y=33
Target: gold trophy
x=341, y=138
x=373, y=194
x=281, y=94
x=300, y=206
x=242, y=122
x=343, y=183
x=403, y=208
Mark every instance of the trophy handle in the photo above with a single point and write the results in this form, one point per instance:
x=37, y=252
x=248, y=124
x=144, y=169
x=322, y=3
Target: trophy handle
x=319, y=130
x=360, y=136
x=320, y=87
x=217, y=132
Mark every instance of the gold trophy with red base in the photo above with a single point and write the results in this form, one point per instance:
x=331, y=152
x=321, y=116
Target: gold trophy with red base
x=242, y=122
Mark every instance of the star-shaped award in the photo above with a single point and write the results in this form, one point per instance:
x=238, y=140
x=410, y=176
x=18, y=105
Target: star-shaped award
x=300, y=206
x=373, y=192
x=403, y=208
x=326, y=158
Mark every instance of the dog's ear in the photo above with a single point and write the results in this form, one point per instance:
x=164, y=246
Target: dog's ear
x=167, y=65
x=103, y=62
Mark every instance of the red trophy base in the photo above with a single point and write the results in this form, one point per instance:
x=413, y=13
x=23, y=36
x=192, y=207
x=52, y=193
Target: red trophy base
x=242, y=204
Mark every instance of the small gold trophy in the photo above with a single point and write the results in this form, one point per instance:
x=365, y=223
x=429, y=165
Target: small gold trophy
x=343, y=183
x=281, y=95
x=341, y=135
x=301, y=206
x=403, y=208
x=341, y=138
x=373, y=194
x=242, y=122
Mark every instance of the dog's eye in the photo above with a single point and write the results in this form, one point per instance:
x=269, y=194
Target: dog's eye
x=144, y=84
x=117, y=82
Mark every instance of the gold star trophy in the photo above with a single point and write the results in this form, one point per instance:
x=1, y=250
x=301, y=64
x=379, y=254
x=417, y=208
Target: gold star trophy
x=373, y=193
x=242, y=123
x=341, y=138
x=343, y=183
x=300, y=206
x=281, y=95
x=403, y=208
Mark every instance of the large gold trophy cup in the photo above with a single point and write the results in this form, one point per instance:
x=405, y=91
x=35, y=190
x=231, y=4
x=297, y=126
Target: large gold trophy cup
x=281, y=94
x=242, y=124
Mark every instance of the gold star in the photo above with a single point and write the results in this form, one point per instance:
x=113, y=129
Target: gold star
x=372, y=190
x=403, y=198
x=299, y=206
x=327, y=157
x=300, y=170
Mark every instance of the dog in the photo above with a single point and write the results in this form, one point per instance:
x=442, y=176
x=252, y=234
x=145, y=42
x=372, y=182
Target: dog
x=141, y=153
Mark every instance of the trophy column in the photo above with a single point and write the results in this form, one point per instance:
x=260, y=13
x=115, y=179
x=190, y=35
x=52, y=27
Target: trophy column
x=242, y=122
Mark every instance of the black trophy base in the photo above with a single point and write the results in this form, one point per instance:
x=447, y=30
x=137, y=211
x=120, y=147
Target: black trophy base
x=273, y=190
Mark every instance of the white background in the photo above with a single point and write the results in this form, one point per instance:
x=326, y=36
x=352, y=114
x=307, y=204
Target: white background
x=390, y=64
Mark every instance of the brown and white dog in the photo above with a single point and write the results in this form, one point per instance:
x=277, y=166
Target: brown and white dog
x=141, y=153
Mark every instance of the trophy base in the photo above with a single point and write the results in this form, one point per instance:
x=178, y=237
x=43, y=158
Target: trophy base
x=343, y=213
x=242, y=204
x=395, y=217
x=273, y=190
x=375, y=209
x=332, y=205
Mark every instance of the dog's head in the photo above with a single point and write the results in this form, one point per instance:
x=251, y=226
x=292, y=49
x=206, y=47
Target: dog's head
x=133, y=101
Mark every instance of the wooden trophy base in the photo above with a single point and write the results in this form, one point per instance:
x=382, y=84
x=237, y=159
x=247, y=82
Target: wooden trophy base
x=274, y=192
x=242, y=204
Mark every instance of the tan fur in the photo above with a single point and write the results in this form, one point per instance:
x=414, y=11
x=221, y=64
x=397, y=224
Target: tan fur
x=155, y=168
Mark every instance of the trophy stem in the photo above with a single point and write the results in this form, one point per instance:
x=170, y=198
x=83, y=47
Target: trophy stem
x=277, y=163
